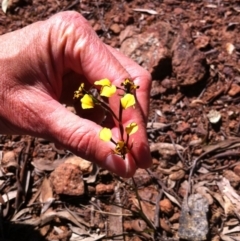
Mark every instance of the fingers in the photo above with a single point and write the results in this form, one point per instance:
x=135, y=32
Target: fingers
x=98, y=61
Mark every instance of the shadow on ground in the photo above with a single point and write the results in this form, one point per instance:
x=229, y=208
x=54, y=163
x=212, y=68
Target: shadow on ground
x=19, y=232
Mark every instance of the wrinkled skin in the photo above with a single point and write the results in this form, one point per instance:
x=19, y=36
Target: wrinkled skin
x=42, y=64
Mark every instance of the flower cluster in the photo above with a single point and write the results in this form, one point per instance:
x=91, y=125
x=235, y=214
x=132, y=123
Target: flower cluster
x=107, y=89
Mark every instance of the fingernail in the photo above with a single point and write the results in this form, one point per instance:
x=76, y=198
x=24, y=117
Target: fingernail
x=122, y=167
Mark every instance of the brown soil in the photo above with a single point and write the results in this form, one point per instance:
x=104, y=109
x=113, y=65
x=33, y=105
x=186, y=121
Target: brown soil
x=192, y=50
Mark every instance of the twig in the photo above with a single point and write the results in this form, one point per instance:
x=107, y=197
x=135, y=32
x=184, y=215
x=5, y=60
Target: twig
x=140, y=207
x=156, y=213
x=176, y=149
x=21, y=176
x=163, y=186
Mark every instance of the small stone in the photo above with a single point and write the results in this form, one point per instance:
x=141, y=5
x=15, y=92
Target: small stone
x=214, y=116
x=67, y=179
x=104, y=189
x=166, y=206
x=167, y=83
x=232, y=124
x=236, y=169
x=202, y=41
x=8, y=157
x=230, y=48
x=115, y=28
x=234, y=90
x=117, y=19
x=182, y=127
x=97, y=27
x=85, y=166
x=178, y=11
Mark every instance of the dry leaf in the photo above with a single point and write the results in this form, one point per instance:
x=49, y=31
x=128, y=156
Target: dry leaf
x=233, y=178
x=165, y=148
x=147, y=208
x=5, y=5
x=231, y=198
x=46, y=195
x=138, y=225
x=173, y=199
x=226, y=230
x=177, y=175
x=114, y=229
x=164, y=225
x=204, y=191
x=150, y=11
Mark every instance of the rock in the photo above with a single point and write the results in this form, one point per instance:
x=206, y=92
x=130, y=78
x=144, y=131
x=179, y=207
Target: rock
x=85, y=166
x=182, y=127
x=115, y=28
x=236, y=169
x=188, y=63
x=202, y=41
x=8, y=157
x=97, y=27
x=167, y=83
x=67, y=179
x=9, y=162
x=166, y=206
x=150, y=48
x=234, y=90
x=104, y=188
x=178, y=11
x=171, y=2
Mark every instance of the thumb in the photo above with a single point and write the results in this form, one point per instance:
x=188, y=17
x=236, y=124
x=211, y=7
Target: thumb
x=81, y=136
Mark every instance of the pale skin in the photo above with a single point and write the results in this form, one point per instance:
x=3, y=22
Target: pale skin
x=40, y=66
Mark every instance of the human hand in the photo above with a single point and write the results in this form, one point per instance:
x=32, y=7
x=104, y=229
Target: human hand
x=44, y=63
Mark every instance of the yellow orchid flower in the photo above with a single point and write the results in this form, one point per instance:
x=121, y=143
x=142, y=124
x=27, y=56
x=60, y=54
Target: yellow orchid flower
x=79, y=93
x=129, y=86
x=105, y=134
x=121, y=149
x=107, y=89
x=87, y=102
x=128, y=100
x=131, y=128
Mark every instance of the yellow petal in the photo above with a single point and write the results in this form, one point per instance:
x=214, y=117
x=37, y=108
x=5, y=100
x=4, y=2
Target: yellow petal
x=108, y=91
x=131, y=128
x=127, y=101
x=87, y=102
x=105, y=134
x=103, y=82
